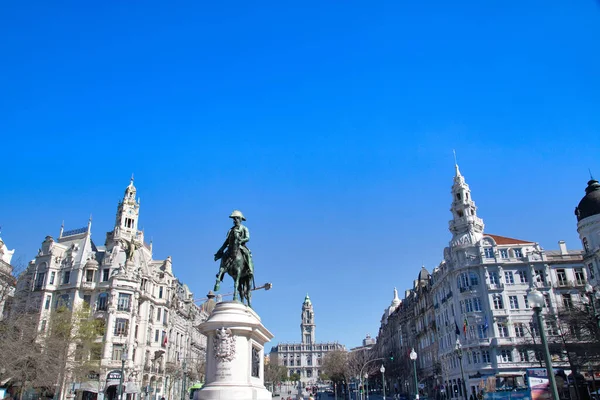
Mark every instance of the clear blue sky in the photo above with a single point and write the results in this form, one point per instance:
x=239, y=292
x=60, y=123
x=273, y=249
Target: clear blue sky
x=330, y=124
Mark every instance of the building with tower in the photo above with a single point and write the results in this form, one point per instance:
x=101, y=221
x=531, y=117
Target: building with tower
x=588, y=226
x=477, y=296
x=7, y=280
x=149, y=316
x=305, y=358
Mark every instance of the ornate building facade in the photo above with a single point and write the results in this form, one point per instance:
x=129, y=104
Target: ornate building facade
x=7, y=280
x=305, y=358
x=588, y=226
x=149, y=316
x=478, y=296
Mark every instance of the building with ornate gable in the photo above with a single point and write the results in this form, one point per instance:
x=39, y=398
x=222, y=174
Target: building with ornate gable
x=7, y=280
x=149, y=316
x=304, y=358
x=478, y=295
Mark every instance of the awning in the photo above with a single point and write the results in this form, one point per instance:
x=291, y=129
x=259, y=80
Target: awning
x=89, y=386
x=131, y=387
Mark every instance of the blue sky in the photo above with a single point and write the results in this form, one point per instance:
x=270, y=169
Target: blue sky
x=329, y=124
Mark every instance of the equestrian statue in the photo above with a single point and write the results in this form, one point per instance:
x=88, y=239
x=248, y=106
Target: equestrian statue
x=236, y=260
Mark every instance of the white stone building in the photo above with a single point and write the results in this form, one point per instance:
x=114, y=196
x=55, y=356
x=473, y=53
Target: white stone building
x=480, y=296
x=304, y=358
x=7, y=280
x=149, y=315
x=588, y=226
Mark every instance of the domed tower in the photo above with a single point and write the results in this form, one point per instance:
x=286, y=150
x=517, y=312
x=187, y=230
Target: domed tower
x=308, y=322
x=588, y=226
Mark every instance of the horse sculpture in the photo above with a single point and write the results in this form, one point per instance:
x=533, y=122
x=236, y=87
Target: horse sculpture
x=235, y=264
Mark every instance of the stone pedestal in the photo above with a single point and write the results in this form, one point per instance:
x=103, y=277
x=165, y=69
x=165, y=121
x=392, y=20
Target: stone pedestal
x=234, y=354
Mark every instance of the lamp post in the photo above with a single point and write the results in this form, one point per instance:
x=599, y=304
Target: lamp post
x=184, y=372
x=382, y=370
x=413, y=357
x=459, y=354
x=536, y=300
x=123, y=359
x=366, y=390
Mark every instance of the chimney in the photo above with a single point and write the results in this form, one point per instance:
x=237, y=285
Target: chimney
x=563, y=247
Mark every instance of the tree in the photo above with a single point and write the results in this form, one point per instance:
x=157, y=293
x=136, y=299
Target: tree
x=335, y=365
x=65, y=345
x=275, y=373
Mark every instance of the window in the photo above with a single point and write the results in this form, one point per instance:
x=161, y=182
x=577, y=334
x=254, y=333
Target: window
x=39, y=280
x=47, y=304
x=522, y=276
x=579, y=276
x=124, y=303
x=151, y=313
x=502, y=329
x=63, y=301
x=89, y=275
x=121, y=326
x=526, y=301
x=506, y=356
x=473, y=278
x=514, y=302
x=586, y=245
x=156, y=333
x=567, y=301
x=547, y=299
x=518, y=253
x=43, y=326
x=52, y=277
x=105, y=273
x=160, y=292
x=476, y=357
x=561, y=275
x=540, y=276
x=551, y=328
x=494, y=278
x=468, y=305
x=591, y=270
x=503, y=253
x=485, y=356
x=509, y=278
x=158, y=314
x=519, y=330
x=117, y=352
x=66, y=277
x=534, y=330
x=489, y=252
x=163, y=341
x=481, y=331
x=102, y=302
x=524, y=355
x=476, y=304
x=498, y=303
x=165, y=317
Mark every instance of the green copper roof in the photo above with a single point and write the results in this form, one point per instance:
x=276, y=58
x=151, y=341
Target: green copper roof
x=307, y=299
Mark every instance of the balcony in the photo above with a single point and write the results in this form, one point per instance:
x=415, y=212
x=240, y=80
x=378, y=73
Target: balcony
x=563, y=284
x=88, y=285
x=495, y=286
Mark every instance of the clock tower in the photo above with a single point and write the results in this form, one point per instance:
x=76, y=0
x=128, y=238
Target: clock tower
x=128, y=213
x=308, y=322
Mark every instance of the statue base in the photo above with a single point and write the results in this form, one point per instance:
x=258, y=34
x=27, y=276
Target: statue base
x=234, y=354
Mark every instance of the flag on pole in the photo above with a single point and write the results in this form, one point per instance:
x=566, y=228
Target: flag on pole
x=465, y=324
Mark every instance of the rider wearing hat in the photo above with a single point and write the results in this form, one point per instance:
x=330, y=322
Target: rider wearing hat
x=240, y=232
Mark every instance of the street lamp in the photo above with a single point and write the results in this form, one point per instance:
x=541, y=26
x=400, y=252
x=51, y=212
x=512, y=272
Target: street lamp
x=413, y=357
x=367, y=385
x=382, y=370
x=459, y=354
x=123, y=359
x=536, y=300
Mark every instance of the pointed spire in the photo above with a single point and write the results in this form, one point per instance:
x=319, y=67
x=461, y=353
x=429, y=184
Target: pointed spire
x=456, y=164
x=131, y=182
x=62, y=228
x=591, y=176
x=89, y=227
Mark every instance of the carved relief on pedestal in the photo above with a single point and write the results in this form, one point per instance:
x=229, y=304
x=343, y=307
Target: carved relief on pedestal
x=224, y=345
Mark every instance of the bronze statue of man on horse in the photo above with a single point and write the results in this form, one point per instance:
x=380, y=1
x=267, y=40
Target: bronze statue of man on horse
x=236, y=259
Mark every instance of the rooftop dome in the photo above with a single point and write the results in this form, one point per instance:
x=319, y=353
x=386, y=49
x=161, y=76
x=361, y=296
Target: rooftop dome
x=590, y=203
x=91, y=264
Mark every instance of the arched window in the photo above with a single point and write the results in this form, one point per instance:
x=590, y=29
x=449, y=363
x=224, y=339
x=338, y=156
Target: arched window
x=102, y=302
